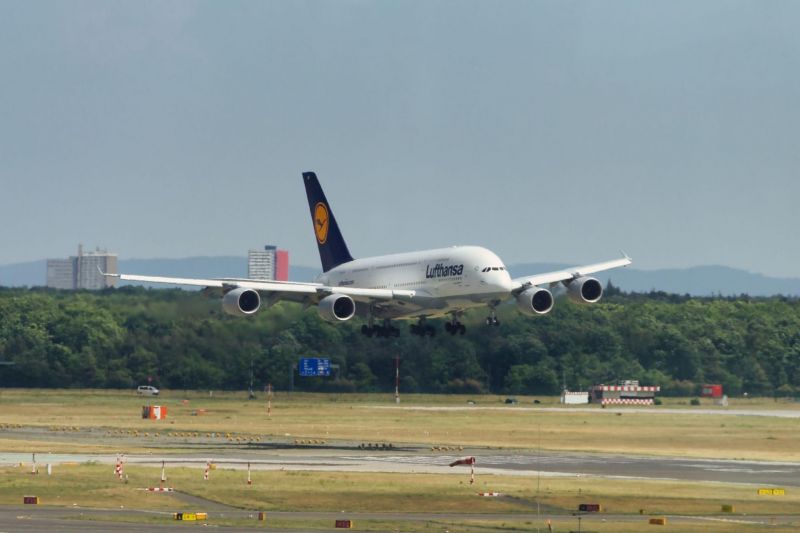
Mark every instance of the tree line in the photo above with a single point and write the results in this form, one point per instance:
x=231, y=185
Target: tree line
x=121, y=338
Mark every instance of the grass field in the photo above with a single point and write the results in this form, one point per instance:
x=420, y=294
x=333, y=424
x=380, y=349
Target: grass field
x=89, y=485
x=71, y=421
x=375, y=418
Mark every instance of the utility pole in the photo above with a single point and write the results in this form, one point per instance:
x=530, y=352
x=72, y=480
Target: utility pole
x=396, y=379
x=251, y=394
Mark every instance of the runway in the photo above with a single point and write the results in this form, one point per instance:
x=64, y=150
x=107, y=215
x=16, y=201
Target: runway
x=546, y=463
x=716, y=411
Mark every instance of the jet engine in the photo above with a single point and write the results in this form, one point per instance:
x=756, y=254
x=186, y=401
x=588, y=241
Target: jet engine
x=336, y=308
x=241, y=302
x=535, y=301
x=584, y=290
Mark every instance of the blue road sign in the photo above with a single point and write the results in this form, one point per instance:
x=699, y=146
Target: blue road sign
x=314, y=366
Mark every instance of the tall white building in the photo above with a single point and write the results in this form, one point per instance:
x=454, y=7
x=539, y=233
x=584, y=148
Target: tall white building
x=268, y=264
x=82, y=271
x=61, y=273
x=261, y=263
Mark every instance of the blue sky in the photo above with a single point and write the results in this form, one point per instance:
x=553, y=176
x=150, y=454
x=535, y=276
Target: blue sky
x=546, y=131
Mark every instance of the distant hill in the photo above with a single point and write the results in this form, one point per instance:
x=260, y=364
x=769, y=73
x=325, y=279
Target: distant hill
x=33, y=273
x=697, y=281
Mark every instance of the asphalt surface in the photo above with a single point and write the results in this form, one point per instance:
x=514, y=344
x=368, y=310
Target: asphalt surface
x=766, y=473
x=714, y=411
x=343, y=457
x=32, y=519
x=42, y=519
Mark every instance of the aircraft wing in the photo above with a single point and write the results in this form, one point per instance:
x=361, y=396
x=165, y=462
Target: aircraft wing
x=277, y=290
x=569, y=273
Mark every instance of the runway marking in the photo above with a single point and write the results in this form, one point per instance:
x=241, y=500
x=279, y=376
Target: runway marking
x=777, y=413
x=730, y=520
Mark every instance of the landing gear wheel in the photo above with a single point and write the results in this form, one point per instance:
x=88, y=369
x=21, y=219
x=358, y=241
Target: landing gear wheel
x=422, y=329
x=462, y=329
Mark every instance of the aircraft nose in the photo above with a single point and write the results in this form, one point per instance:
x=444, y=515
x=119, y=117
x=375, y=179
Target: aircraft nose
x=504, y=282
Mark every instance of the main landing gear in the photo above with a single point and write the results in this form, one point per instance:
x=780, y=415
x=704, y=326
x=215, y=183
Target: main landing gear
x=454, y=326
x=386, y=330
x=422, y=329
x=491, y=320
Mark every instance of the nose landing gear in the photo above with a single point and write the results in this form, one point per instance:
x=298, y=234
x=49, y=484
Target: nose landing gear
x=454, y=326
x=422, y=329
x=491, y=320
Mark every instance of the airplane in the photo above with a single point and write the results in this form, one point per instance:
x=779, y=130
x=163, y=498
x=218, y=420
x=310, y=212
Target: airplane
x=407, y=286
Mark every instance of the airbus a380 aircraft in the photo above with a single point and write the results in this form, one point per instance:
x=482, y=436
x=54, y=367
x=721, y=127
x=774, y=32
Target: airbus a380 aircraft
x=413, y=285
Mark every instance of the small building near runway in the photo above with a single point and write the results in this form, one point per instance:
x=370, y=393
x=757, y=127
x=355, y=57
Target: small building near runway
x=574, y=398
x=627, y=392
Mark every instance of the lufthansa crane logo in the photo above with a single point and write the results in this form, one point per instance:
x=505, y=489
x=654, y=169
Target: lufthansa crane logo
x=321, y=222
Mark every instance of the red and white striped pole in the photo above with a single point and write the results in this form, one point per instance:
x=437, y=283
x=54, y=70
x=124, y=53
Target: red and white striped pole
x=467, y=461
x=205, y=472
x=269, y=399
x=397, y=379
x=118, y=467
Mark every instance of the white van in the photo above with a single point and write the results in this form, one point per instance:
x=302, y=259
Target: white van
x=147, y=390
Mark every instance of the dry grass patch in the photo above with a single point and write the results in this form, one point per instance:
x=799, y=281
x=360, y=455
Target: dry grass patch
x=90, y=485
x=373, y=418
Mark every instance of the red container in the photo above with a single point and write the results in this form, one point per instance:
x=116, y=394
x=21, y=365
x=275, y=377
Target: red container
x=711, y=391
x=590, y=507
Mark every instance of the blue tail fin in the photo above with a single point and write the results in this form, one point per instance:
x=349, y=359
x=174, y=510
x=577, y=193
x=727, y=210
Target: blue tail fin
x=332, y=249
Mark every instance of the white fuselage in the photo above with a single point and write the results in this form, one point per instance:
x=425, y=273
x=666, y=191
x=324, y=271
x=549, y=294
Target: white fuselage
x=445, y=280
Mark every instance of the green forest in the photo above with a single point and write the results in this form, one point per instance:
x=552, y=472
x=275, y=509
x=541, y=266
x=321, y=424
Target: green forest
x=182, y=340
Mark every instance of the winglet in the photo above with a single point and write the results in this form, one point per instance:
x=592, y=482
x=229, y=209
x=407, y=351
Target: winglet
x=626, y=256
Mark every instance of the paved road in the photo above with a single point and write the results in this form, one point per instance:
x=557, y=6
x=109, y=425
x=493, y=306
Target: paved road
x=711, y=411
x=622, y=466
x=531, y=464
x=14, y=519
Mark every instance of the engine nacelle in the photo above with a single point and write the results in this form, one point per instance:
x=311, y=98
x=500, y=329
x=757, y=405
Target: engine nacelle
x=535, y=301
x=336, y=308
x=584, y=290
x=241, y=302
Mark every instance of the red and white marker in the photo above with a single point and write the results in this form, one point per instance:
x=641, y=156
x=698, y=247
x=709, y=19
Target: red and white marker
x=249, y=481
x=119, y=469
x=205, y=472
